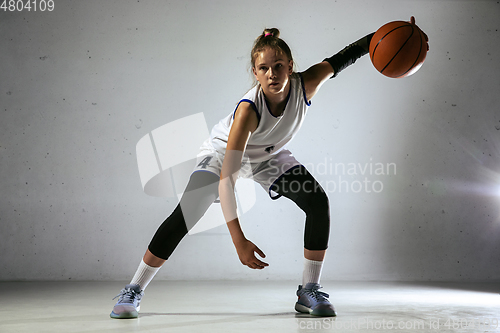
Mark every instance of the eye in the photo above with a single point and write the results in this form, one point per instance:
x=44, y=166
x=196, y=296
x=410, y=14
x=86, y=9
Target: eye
x=278, y=66
x=263, y=68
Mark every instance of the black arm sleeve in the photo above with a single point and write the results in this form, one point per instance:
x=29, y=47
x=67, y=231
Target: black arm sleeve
x=349, y=54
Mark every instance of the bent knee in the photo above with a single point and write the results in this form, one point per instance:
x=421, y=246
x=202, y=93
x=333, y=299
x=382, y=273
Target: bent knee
x=316, y=203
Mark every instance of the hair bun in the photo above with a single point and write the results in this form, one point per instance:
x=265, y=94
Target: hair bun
x=275, y=43
x=271, y=32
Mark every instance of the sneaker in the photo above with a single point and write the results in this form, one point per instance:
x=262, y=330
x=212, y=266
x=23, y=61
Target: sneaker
x=128, y=304
x=313, y=301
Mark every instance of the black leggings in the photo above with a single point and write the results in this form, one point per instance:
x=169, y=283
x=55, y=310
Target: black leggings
x=297, y=184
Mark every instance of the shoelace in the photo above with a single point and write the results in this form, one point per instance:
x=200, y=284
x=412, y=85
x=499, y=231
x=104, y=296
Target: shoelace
x=317, y=295
x=127, y=295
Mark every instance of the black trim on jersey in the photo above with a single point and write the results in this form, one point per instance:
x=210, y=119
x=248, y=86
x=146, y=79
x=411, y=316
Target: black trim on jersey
x=308, y=103
x=254, y=107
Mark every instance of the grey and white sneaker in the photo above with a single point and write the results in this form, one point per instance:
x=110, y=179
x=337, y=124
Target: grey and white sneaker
x=313, y=301
x=128, y=304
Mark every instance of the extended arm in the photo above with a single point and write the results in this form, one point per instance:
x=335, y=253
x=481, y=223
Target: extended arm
x=316, y=75
x=245, y=122
x=349, y=54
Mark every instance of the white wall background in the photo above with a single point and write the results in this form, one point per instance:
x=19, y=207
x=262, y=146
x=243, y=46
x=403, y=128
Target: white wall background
x=80, y=86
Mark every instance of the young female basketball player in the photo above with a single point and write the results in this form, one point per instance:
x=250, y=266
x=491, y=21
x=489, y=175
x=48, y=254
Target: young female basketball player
x=265, y=119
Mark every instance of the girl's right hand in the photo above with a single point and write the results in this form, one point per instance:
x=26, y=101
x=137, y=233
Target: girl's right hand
x=412, y=21
x=245, y=250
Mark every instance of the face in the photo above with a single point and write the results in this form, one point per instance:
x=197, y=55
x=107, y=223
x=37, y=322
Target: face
x=272, y=70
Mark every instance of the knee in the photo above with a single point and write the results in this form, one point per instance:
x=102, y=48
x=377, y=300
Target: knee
x=317, y=228
x=316, y=203
x=168, y=235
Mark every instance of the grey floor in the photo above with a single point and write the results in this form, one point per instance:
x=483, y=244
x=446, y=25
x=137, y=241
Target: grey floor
x=230, y=306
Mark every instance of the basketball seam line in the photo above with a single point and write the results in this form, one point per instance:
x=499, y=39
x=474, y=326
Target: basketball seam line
x=406, y=41
x=402, y=26
x=418, y=56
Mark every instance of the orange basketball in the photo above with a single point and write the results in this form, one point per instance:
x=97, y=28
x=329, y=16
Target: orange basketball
x=398, y=49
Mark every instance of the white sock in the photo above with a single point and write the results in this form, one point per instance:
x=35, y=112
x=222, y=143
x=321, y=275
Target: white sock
x=312, y=271
x=144, y=275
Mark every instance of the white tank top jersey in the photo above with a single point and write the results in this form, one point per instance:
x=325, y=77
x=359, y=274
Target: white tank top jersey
x=272, y=133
